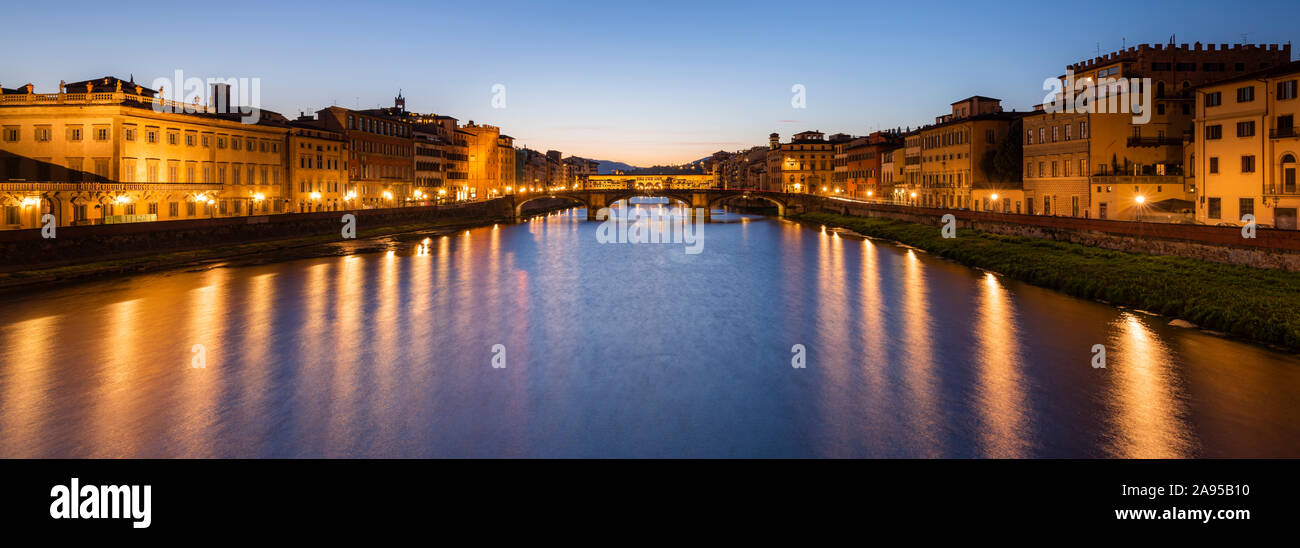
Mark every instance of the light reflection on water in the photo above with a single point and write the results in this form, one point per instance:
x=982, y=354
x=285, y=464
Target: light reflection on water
x=621, y=350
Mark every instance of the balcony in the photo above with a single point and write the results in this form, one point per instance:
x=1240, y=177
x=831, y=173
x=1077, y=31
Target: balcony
x=1282, y=133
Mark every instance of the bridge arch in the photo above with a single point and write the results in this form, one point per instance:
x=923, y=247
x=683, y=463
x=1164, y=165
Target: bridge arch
x=520, y=201
x=780, y=205
x=615, y=198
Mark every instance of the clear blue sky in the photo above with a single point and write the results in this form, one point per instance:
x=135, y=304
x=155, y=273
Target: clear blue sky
x=640, y=82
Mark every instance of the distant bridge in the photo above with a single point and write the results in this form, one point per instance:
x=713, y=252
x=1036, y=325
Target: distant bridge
x=706, y=198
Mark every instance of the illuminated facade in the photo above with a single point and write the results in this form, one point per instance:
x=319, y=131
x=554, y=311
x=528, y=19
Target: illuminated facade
x=381, y=154
x=1119, y=169
x=318, y=169
x=1246, y=146
x=804, y=165
x=100, y=152
x=953, y=149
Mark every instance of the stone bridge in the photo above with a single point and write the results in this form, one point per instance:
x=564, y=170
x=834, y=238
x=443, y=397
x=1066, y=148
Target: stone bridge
x=707, y=199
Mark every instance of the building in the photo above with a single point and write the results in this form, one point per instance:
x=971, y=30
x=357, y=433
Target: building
x=486, y=166
x=862, y=165
x=1056, y=176
x=912, y=167
x=954, y=149
x=1245, y=148
x=318, y=168
x=507, y=174
x=111, y=151
x=1132, y=170
x=804, y=165
x=892, y=187
x=382, y=154
x=578, y=170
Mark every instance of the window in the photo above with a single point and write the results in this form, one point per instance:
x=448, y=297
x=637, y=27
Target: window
x=1213, y=99
x=42, y=134
x=151, y=136
x=189, y=139
x=1246, y=94
x=1286, y=90
x=1055, y=133
x=190, y=209
x=1247, y=206
x=74, y=134
x=1246, y=129
x=1215, y=208
x=1214, y=164
x=129, y=134
x=1053, y=168
x=173, y=209
x=1068, y=131
x=1248, y=163
x=1029, y=137
x=101, y=134
x=1213, y=132
x=1083, y=130
x=153, y=208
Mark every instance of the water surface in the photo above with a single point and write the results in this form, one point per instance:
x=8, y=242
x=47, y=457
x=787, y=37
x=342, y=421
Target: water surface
x=619, y=350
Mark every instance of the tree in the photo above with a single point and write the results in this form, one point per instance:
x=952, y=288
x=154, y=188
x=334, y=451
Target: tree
x=1002, y=164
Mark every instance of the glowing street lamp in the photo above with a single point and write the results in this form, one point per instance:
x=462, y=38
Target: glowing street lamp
x=1141, y=199
x=994, y=197
x=31, y=201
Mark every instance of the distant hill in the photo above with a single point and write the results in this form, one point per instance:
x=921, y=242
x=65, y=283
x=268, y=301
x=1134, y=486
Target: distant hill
x=607, y=167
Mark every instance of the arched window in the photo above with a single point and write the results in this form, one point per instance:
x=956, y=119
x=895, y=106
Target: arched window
x=1288, y=174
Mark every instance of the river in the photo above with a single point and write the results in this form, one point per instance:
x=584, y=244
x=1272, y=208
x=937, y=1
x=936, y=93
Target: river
x=621, y=350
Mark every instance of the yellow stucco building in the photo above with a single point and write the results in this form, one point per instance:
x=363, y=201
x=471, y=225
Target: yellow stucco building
x=1246, y=148
x=951, y=152
x=100, y=152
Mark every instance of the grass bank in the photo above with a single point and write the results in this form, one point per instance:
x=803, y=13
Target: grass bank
x=1252, y=303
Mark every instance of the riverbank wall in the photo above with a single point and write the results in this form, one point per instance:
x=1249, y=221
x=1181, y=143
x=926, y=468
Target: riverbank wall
x=28, y=249
x=1269, y=248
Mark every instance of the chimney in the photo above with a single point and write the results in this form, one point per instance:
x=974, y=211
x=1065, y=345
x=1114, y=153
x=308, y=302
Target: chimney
x=220, y=98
